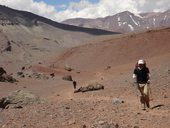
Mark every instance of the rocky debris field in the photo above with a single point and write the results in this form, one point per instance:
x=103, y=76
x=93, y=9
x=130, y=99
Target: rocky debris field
x=4, y=77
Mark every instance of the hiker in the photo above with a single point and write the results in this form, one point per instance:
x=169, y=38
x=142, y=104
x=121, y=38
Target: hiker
x=74, y=84
x=141, y=76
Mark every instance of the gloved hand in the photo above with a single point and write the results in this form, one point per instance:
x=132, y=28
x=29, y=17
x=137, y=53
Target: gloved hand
x=148, y=82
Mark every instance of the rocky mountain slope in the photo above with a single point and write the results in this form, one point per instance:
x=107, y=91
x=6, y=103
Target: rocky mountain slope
x=110, y=63
x=125, y=21
x=43, y=99
x=10, y=16
x=28, y=38
x=118, y=50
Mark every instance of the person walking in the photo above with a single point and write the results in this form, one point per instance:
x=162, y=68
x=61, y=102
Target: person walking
x=74, y=84
x=141, y=76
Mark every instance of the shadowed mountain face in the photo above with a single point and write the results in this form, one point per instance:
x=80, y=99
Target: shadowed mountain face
x=28, y=19
x=29, y=38
x=125, y=22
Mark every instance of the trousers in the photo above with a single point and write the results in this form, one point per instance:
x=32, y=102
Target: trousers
x=144, y=91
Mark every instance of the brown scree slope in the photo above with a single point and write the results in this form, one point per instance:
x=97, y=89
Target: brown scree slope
x=117, y=51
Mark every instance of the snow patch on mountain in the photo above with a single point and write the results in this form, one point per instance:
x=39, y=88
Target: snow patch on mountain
x=133, y=20
x=137, y=15
x=165, y=17
x=124, y=23
x=118, y=19
x=119, y=24
x=127, y=21
x=154, y=21
x=131, y=27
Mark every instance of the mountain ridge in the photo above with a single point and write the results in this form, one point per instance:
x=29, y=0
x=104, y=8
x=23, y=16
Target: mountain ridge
x=125, y=21
x=29, y=19
x=33, y=39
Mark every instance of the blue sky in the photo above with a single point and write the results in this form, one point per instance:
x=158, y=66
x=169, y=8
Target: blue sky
x=59, y=3
x=60, y=10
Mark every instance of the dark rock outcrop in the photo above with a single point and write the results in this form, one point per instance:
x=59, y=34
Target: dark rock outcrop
x=90, y=87
x=4, y=77
x=35, y=75
x=68, y=77
x=10, y=16
x=2, y=71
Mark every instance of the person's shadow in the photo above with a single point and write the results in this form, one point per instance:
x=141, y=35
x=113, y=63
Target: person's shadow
x=157, y=106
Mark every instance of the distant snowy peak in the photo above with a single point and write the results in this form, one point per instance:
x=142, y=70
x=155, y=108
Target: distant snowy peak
x=125, y=21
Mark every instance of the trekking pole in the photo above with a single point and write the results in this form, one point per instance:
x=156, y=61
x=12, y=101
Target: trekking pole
x=151, y=96
x=136, y=90
x=150, y=92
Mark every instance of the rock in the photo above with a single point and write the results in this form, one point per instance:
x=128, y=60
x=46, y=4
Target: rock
x=117, y=101
x=10, y=79
x=2, y=71
x=52, y=75
x=68, y=77
x=101, y=122
x=71, y=121
x=21, y=74
x=8, y=47
x=38, y=76
x=23, y=68
x=7, y=78
x=32, y=74
x=67, y=107
x=2, y=103
x=68, y=68
x=19, y=98
x=108, y=67
x=4, y=77
x=116, y=126
x=165, y=96
x=105, y=124
x=169, y=71
x=90, y=87
x=84, y=126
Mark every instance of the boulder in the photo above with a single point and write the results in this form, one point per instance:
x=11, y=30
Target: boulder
x=4, y=77
x=90, y=87
x=19, y=98
x=2, y=71
x=68, y=68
